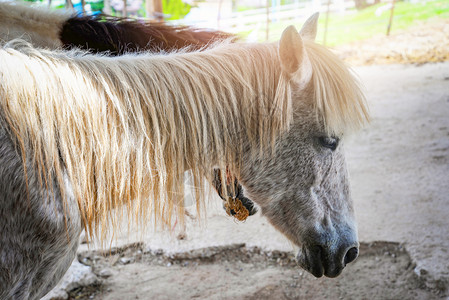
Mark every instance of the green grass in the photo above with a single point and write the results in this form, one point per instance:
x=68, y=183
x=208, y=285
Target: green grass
x=358, y=25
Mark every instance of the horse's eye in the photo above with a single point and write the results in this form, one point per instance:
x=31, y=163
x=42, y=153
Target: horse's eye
x=328, y=142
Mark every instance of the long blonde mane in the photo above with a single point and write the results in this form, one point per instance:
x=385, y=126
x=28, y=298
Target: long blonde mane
x=339, y=99
x=125, y=129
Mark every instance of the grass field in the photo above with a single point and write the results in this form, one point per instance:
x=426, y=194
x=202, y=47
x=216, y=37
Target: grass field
x=356, y=25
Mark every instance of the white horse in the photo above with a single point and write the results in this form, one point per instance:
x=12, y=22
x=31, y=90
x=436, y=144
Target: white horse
x=112, y=36
x=83, y=137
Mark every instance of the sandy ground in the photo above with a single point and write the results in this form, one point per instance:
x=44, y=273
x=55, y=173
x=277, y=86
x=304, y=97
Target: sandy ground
x=236, y=272
x=400, y=164
x=423, y=43
x=399, y=167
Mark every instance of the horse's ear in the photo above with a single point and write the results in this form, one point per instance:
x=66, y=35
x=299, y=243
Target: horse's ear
x=308, y=30
x=291, y=50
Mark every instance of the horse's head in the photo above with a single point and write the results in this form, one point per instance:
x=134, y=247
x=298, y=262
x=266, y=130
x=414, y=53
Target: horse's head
x=302, y=187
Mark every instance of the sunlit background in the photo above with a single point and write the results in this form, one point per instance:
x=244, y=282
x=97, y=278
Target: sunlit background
x=341, y=22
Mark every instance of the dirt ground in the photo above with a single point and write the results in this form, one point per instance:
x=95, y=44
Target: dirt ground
x=237, y=272
x=424, y=43
x=384, y=270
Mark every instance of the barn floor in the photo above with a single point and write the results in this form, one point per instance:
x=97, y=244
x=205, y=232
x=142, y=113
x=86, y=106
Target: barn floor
x=383, y=271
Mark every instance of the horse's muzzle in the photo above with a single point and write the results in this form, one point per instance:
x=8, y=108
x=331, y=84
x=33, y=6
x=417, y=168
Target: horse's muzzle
x=321, y=260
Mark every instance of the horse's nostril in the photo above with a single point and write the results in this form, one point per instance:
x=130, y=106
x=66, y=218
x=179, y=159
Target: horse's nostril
x=351, y=255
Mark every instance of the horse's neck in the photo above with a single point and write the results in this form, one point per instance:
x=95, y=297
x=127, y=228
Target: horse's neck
x=37, y=26
x=237, y=79
x=247, y=104
x=158, y=115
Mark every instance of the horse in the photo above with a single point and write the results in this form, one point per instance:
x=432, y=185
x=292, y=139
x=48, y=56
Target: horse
x=100, y=33
x=110, y=36
x=86, y=139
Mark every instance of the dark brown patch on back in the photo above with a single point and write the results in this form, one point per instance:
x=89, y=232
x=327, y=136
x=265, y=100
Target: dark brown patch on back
x=118, y=35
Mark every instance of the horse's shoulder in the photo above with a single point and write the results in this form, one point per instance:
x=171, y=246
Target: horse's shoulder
x=36, y=246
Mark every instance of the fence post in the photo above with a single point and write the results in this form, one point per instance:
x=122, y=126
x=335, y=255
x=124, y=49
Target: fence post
x=390, y=22
x=220, y=3
x=69, y=4
x=327, y=22
x=107, y=7
x=125, y=9
x=154, y=10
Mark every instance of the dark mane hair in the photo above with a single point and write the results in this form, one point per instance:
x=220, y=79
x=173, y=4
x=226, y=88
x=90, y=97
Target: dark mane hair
x=116, y=35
